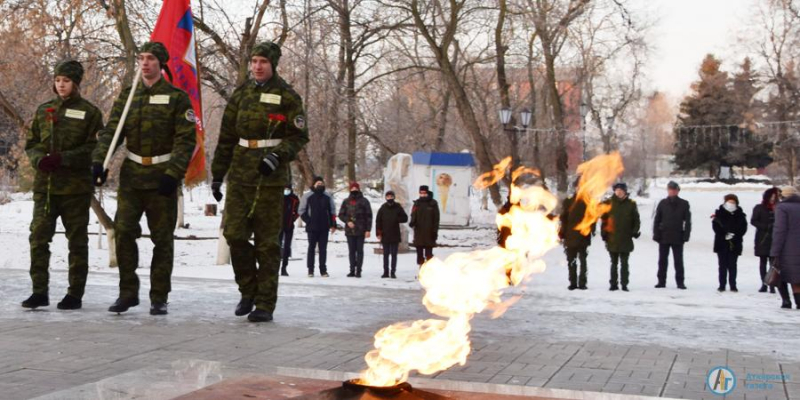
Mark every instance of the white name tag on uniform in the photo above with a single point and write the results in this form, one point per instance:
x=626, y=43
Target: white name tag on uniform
x=270, y=98
x=75, y=114
x=159, y=99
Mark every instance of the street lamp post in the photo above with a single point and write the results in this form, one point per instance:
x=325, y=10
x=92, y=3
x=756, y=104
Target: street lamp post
x=505, y=114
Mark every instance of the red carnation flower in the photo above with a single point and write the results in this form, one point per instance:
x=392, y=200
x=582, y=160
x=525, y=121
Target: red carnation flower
x=277, y=117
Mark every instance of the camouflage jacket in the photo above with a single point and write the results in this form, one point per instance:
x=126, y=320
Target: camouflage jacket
x=160, y=121
x=68, y=127
x=256, y=112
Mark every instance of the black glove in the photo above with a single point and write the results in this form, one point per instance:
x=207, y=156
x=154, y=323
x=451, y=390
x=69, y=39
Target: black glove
x=99, y=174
x=216, y=191
x=774, y=262
x=167, y=185
x=50, y=163
x=637, y=234
x=269, y=164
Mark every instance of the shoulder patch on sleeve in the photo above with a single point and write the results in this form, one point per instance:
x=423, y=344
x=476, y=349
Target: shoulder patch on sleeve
x=300, y=121
x=189, y=114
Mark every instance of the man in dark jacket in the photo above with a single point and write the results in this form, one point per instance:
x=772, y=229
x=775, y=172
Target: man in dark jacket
x=291, y=204
x=356, y=214
x=672, y=227
x=575, y=243
x=387, y=227
x=425, y=222
x=317, y=210
x=763, y=219
x=786, y=244
x=730, y=224
x=620, y=226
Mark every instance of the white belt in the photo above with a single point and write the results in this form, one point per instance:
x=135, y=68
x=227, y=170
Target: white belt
x=149, y=160
x=259, y=144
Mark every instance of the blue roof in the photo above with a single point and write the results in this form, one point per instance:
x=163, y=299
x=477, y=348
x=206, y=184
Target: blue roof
x=447, y=159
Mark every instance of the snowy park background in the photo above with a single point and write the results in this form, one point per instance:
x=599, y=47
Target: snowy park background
x=699, y=317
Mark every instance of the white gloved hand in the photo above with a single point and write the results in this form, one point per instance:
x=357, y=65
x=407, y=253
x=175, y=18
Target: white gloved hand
x=728, y=236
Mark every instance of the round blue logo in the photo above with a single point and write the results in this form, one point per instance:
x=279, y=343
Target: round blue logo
x=721, y=381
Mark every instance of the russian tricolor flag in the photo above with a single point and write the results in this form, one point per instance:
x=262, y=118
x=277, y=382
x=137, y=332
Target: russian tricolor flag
x=175, y=29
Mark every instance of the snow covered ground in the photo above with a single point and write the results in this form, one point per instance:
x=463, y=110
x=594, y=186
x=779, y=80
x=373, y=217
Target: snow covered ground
x=696, y=318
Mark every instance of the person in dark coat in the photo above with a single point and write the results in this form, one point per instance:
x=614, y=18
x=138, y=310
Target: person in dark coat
x=575, y=243
x=318, y=211
x=356, y=214
x=425, y=222
x=730, y=225
x=387, y=227
x=619, y=227
x=785, y=249
x=291, y=203
x=763, y=219
x=672, y=227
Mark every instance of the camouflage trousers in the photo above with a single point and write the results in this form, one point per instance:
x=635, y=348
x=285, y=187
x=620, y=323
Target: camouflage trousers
x=162, y=215
x=74, y=212
x=258, y=282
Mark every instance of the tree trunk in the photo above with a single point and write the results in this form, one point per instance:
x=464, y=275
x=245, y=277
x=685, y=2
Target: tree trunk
x=502, y=83
x=126, y=37
x=562, y=160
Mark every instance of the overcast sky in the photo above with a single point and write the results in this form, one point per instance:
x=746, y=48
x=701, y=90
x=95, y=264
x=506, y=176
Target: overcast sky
x=686, y=31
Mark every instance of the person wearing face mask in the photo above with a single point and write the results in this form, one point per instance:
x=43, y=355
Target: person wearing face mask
x=356, y=214
x=387, y=227
x=290, y=206
x=763, y=219
x=59, y=145
x=425, y=222
x=318, y=211
x=730, y=224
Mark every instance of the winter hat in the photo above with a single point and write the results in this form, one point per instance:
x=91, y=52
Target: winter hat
x=788, y=191
x=317, y=179
x=158, y=50
x=355, y=186
x=71, y=69
x=673, y=185
x=733, y=197
x=389, y=193
x=268, y=50
x=768, y=195
x=621, y=185
x=424, y=188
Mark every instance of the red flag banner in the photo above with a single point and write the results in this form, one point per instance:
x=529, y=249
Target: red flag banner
x=175, y=29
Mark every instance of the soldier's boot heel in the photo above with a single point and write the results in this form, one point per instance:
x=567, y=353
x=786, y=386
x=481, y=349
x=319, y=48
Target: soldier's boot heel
x=36, y=300
x=158, y=309
x=123, y=304
x=259, y=316
x=244, y=307
x=70, y=303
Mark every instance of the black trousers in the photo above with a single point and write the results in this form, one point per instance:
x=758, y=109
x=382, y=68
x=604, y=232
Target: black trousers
x=762, y=267
x=424, y=254
x=286, y=247
x=663, y=262
x=573, y=256
x=355, y=246
x=727, y=268
x=390, y=250
x=616, y=259
x=318, y=238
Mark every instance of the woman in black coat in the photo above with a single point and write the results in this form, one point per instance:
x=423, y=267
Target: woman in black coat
x=764, y=219
x=730, y=225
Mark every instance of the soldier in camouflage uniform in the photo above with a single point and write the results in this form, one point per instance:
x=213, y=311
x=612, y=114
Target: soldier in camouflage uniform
x=262, y=130
x=160, y=136
x=60, y=143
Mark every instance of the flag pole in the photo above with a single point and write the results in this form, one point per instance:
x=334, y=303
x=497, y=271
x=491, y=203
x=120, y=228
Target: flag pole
x=122, y=118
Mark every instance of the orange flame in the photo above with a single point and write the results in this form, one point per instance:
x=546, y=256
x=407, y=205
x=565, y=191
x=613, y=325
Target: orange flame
x=597, y=175
x=466, y=284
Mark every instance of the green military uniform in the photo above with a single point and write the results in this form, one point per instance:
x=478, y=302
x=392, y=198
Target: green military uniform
x=160, y=124
x=619, y=227
x=65, y=129
x=273, y=113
